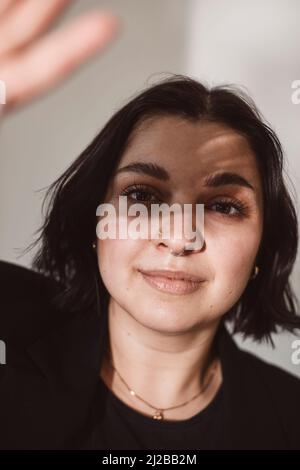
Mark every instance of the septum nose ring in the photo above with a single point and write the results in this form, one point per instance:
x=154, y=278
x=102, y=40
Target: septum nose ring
x=174, y=253
x=177, y=254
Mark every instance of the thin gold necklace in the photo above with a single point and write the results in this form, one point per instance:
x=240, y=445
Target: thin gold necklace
x=158, y=413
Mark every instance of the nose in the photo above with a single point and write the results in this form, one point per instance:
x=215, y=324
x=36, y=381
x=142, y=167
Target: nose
x=181, y=240
x=179, y=246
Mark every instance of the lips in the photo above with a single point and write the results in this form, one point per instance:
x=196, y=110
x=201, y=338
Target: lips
x=166, y=273
x=173, y=282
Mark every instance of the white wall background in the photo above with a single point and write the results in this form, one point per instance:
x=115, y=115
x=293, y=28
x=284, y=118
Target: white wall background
x=254, y=44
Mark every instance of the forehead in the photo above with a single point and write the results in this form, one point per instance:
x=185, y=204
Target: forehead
x=190, y=148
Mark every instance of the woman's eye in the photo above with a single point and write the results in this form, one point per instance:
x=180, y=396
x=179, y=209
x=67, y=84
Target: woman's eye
x=141, y=195
x=233, y=208
x=230, y=209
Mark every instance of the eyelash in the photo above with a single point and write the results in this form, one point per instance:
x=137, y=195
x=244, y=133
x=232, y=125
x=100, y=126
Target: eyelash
x=239, y=206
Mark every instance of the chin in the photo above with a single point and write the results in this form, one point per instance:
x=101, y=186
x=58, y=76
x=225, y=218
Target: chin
x=165, y=320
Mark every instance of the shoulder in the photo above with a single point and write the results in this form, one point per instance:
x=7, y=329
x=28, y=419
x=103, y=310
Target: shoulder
x=273, y=377
x=49, y=374
x=262, y=399
x=281, y=390
x=11, y=273
x=26, y=304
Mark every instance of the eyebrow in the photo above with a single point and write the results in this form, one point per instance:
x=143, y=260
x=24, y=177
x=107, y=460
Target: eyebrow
x=214, y=180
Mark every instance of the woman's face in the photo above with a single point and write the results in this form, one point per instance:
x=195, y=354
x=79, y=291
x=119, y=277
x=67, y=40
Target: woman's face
x=189, y=153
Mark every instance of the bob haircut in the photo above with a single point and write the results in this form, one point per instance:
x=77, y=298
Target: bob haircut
x=65, y=251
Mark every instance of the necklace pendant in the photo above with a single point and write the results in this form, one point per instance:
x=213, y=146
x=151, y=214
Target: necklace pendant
x=158, y=415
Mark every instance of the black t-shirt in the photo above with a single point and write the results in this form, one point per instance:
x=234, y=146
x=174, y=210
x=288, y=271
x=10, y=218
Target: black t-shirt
x=117, y=426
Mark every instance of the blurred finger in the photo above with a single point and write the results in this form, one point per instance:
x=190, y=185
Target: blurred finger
x=6, y=4
x=56, y=55
x=25, y=21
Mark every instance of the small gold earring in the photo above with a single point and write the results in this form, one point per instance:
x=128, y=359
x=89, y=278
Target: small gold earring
x=94, y=245
x=256, y=270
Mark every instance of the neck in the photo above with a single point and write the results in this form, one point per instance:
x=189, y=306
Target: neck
x=163, y=369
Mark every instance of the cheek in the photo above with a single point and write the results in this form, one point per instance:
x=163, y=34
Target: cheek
x=116, y=262
x=232, y=257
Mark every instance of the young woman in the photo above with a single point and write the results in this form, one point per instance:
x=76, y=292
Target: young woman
x=122, y=343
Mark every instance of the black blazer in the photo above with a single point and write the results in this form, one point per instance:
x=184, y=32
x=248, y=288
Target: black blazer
x=52, y=365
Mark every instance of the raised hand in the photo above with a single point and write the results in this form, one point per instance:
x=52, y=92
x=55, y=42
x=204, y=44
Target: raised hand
x=32, y=62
